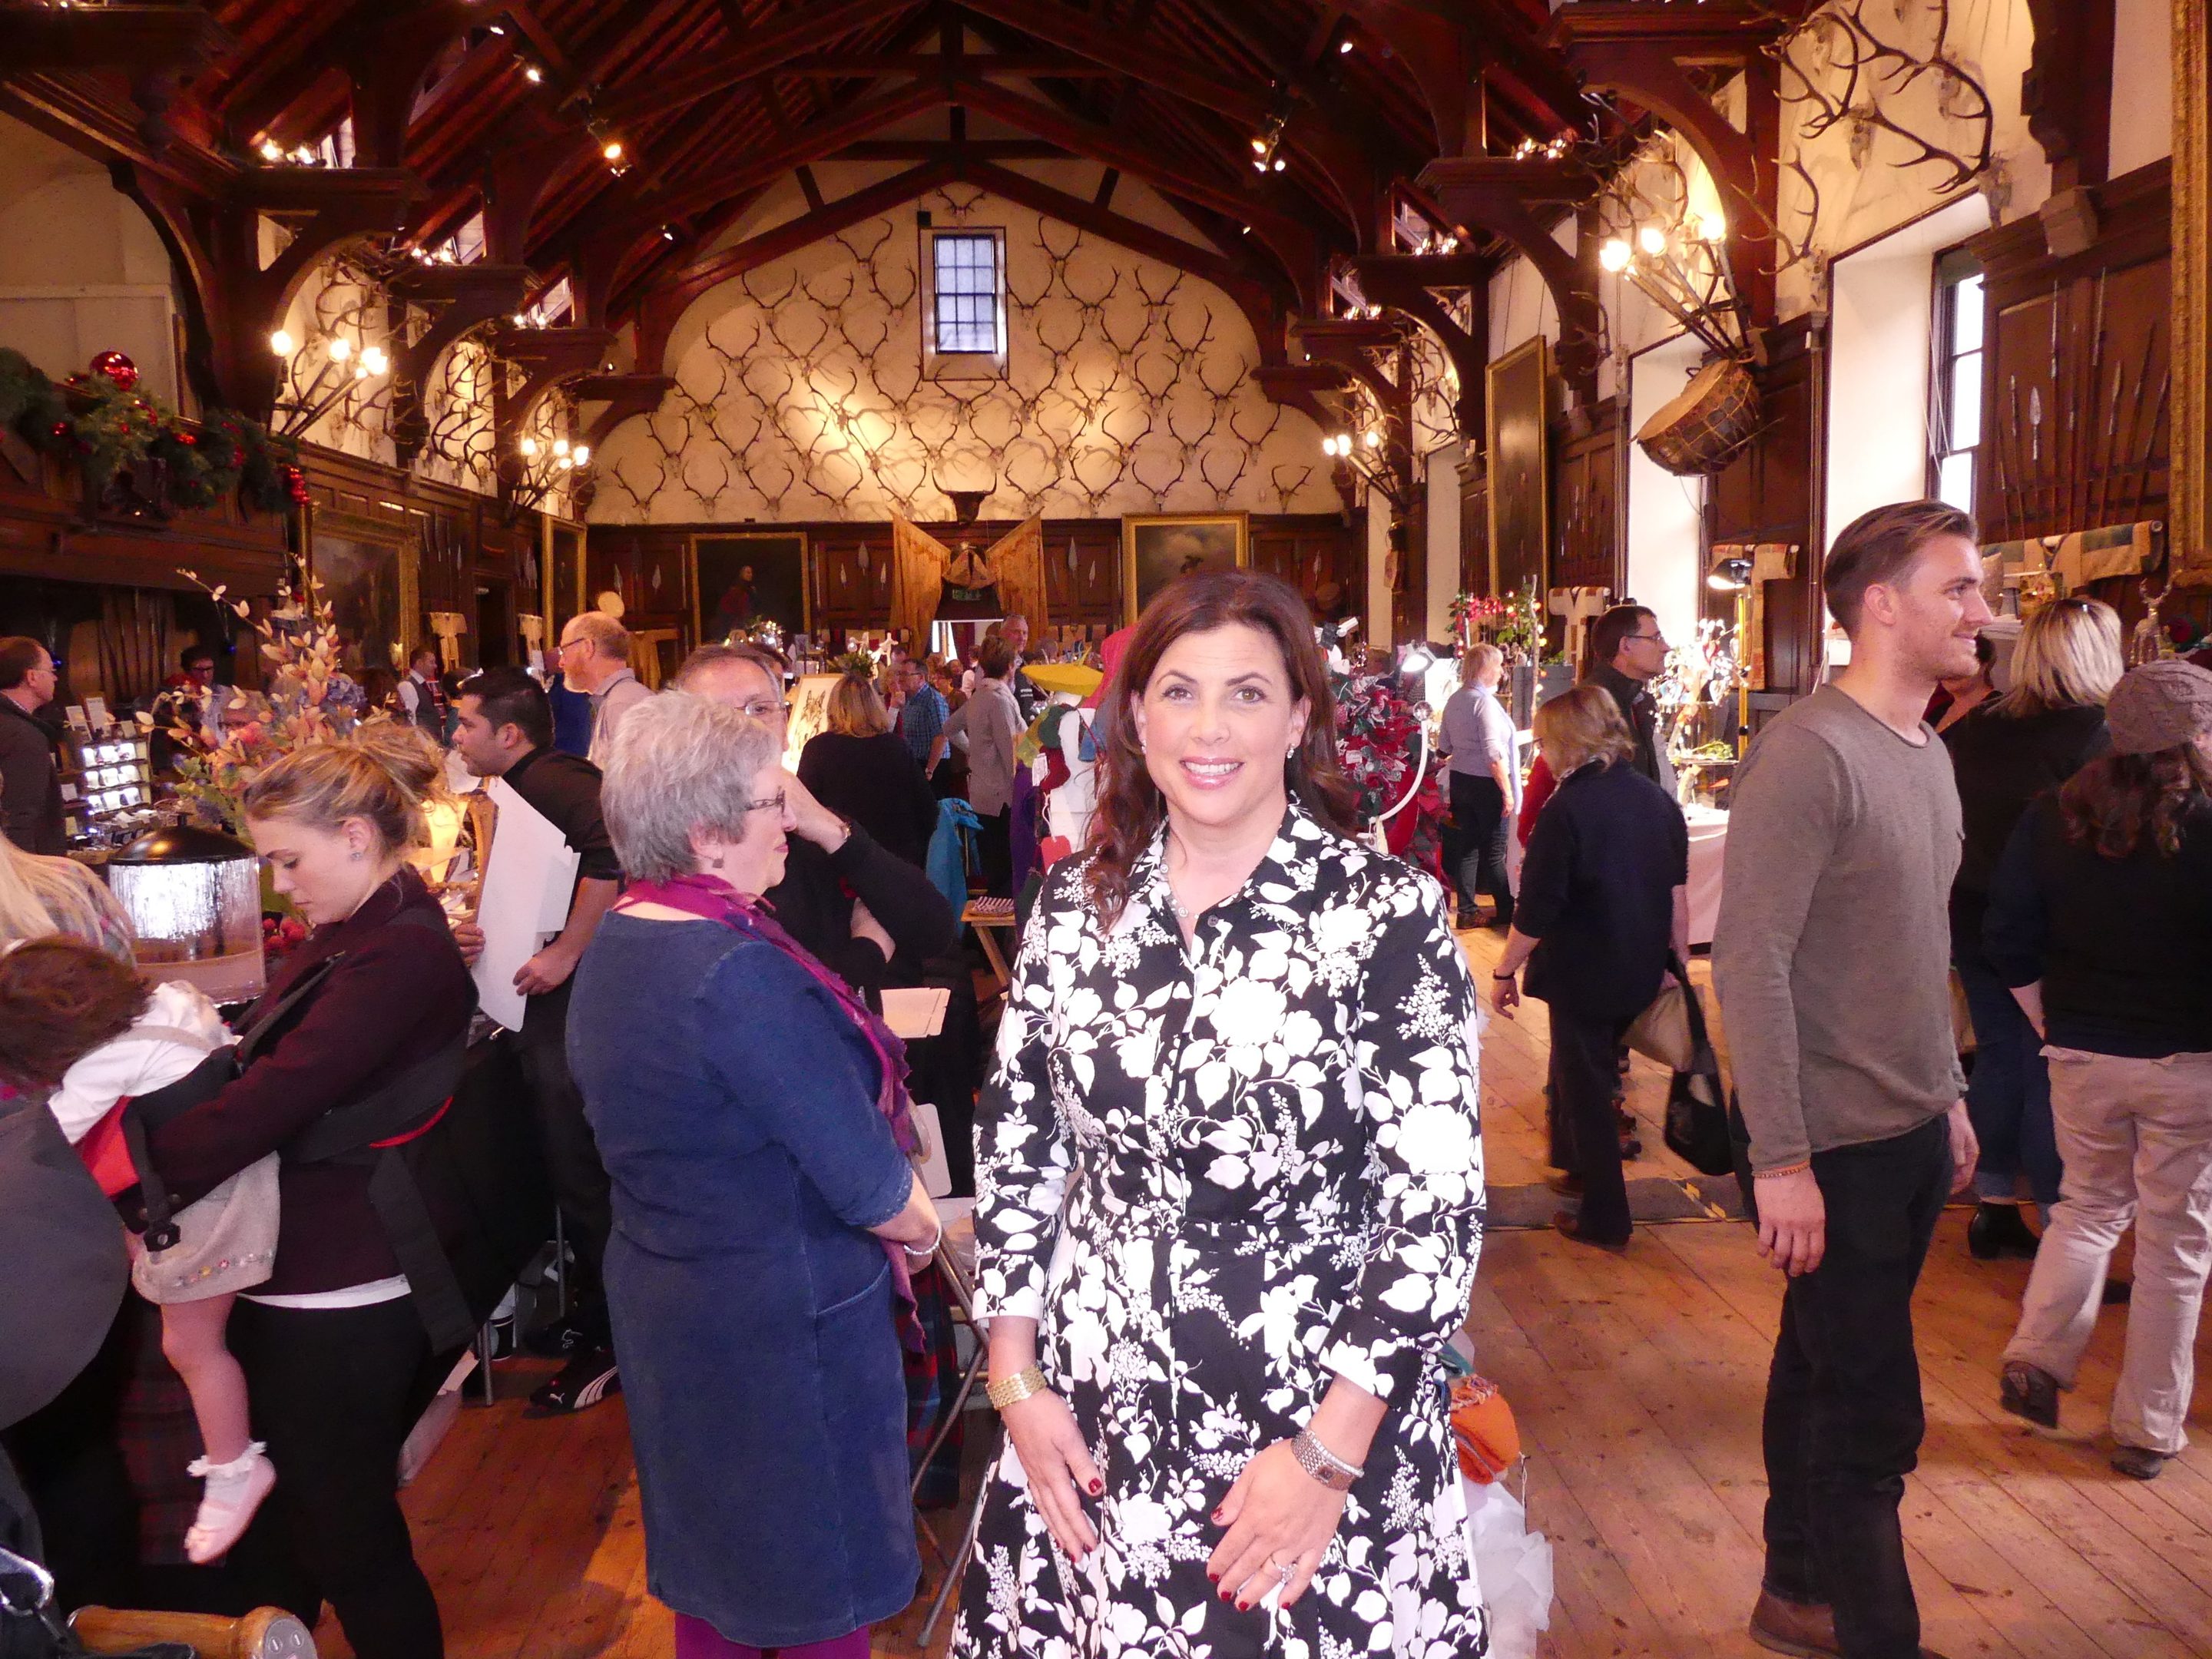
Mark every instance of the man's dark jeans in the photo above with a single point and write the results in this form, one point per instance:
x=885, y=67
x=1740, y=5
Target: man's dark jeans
x=1843, y=1417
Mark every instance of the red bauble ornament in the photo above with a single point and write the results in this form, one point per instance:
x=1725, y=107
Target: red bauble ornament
x=117, y=368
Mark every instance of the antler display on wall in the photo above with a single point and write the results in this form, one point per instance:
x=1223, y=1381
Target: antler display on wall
x=1124, y=392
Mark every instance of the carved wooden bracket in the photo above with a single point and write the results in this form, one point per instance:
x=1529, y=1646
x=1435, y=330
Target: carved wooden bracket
x=548, y=357
x=1353, y=345
x=1301, y=386
x=1644, y=52
x=624, y=395
x=155, y=47
x=461, y=296
x=1498, y=195
x=231, y=301
x=2067, y=91
x=385, y=51
x=1407, y=282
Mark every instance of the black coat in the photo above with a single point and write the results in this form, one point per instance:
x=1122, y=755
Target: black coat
x=1597, y=891
x=30, y=787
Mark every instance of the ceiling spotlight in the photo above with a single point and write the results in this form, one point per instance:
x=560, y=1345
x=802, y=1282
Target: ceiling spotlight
x=1344, y=46
x=668, y=232
x=1278, y=164
x=496, y=28
x=532, y=74
x=1259, y=147
x=612, y=149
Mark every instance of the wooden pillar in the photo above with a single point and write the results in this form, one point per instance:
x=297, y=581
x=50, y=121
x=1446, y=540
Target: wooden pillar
x=2191, y=509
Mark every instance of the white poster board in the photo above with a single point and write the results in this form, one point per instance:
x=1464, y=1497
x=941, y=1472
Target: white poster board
x=810, y=715
x=529, y=877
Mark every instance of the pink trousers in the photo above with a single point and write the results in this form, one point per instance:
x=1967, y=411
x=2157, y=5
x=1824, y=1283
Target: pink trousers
x=697, y=1639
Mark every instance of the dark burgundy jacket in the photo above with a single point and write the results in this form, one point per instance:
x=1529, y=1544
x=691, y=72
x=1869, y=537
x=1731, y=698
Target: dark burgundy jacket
x=399, y=993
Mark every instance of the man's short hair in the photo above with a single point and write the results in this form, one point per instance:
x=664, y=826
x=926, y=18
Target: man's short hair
x=509, y=697
x=19, y=655
x=707, y=658
x=1607, y=632
x=421, y=652
x=192, y=654
x=1877, y=548
x=995, y=659
x=609, y=638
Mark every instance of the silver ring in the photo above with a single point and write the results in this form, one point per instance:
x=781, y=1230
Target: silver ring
x=1284, y=1571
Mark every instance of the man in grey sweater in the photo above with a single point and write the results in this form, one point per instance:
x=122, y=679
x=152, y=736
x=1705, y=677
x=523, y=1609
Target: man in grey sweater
x=1832, y=960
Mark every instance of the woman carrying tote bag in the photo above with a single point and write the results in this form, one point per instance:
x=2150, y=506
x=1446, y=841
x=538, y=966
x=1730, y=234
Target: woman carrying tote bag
x=1604, y=898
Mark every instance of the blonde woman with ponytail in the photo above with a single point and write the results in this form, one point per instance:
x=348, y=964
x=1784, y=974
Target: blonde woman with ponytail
x=41, y=895
x=370, y=1010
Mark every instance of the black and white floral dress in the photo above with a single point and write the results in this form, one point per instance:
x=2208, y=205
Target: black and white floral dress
x=1269, y=1153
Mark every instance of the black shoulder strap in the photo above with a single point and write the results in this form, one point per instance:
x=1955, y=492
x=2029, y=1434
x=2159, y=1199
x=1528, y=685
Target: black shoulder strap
x=383, y=1113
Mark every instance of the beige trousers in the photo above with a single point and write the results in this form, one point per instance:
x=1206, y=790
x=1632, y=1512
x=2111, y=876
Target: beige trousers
x=2137, y=1137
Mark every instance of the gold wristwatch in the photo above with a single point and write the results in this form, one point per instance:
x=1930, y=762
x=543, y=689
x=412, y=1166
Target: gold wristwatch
x=1020, y=1386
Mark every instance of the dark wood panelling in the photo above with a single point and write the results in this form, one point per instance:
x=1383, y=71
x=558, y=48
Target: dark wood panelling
x=1767, y=494
x=473, y=554
x=848, y=565
x=2086, y=339
x=1586, y=543
x=1474, y=525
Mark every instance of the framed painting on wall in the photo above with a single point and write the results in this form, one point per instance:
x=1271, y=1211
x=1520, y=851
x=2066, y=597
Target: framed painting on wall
x=368, y=572
x=562, y=559
x=1159, y=548
x=1519, y=471
x=739, y=580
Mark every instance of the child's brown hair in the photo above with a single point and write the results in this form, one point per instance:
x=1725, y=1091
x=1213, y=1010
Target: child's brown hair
x=60, y=999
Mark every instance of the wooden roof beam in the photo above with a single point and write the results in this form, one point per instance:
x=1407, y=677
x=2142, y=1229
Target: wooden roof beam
x=762, y=49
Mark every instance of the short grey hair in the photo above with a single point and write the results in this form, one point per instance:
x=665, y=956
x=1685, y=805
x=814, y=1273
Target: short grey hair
x=680, y=763
x=609, y=638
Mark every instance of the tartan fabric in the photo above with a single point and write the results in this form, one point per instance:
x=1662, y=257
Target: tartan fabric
x=932, y=1377
x=159, y=1437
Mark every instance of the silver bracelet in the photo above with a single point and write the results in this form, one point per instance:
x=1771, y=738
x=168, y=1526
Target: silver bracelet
x=1322, y=1464
x=922, y=1252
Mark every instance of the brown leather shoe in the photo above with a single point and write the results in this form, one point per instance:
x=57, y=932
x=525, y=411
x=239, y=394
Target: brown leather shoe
x=1806, y=1629
x=1568, y=1225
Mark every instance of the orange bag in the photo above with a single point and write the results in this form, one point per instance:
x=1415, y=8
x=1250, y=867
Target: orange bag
x=1482, y=1423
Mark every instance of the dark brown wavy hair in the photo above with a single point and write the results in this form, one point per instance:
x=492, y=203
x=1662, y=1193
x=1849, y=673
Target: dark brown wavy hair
x=59, y=999
x=2114, y=802
x=1130, y=806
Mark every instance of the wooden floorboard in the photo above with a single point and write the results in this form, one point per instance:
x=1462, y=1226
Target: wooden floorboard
x=1637, y=1381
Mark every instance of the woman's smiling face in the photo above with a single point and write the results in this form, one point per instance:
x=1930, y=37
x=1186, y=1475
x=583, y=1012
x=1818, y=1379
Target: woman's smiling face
x=1218, y=719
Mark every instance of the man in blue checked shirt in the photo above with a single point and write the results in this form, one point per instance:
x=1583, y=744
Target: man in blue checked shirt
x=922, y=714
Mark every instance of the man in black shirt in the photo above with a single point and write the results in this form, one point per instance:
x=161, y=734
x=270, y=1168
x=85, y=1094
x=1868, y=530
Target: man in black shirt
x=505, y=730
x=30, y=787
x=1628, y=653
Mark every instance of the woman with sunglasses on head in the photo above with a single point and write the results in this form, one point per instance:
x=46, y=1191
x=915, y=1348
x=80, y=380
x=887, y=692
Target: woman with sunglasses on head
x=753, y=1117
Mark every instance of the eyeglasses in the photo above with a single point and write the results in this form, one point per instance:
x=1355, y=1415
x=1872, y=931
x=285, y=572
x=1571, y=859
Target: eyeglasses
x=766, y=802
x=1656, y=638
x=761, y=709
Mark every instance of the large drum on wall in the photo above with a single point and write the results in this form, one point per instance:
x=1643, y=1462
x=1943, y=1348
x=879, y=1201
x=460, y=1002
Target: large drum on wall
x=1709, y=425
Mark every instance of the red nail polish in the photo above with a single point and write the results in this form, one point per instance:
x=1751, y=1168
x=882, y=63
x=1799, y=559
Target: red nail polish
x=1098, y=1488
x=1211, y=1577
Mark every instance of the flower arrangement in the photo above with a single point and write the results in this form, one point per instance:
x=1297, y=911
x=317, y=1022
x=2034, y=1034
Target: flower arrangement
x=1515, y=626
x=307, y=697
x=1698, y=675
x=1378, y=734
x=858, y=664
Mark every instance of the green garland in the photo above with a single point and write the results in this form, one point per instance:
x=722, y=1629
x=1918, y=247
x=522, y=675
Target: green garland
x=107, y=428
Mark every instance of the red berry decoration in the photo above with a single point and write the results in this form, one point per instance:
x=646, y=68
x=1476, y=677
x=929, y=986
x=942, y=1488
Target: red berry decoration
x=117, y=368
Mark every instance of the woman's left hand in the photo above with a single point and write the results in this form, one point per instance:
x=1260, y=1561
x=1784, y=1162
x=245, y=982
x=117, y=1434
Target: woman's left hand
x=1276, y=1516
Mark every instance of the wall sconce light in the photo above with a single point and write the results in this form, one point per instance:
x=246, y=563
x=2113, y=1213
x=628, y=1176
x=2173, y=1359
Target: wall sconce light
x=345, y=369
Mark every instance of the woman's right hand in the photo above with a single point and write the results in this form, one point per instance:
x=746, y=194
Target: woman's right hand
x=1057, y=1467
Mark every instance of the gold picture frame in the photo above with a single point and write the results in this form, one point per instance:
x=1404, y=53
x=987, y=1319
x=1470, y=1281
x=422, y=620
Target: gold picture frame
x=381, y=622
x=2190, y=508
x=1516, y=449
x=1159, y=547
x=779, y=590
x=563, y=556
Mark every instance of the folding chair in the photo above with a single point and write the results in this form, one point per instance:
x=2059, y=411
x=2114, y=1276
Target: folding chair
x=964, y=1301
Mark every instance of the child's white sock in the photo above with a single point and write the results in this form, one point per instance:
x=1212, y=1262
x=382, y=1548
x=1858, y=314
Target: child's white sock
x=235, y=1490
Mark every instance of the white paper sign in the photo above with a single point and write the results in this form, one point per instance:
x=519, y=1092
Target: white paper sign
x=529, y=880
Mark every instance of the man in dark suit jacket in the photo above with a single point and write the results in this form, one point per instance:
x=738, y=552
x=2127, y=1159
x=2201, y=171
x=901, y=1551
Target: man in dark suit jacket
x=30, y=785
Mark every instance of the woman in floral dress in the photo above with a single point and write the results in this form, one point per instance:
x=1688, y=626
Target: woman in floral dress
x=1229, y=1193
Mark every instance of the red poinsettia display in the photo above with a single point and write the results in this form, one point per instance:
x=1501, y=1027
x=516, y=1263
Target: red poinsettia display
x=1378, y=738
